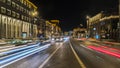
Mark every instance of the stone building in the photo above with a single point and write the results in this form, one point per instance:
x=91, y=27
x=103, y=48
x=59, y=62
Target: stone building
x=103, y=26
x=17, y=19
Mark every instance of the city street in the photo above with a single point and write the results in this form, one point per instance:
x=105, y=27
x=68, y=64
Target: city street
x=67, y=54
x=59, y=34
x=58, y=55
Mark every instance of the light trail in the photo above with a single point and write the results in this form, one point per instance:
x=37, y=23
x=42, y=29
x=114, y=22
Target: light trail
x=18, y=49
x=105, y=51
x=20, y=56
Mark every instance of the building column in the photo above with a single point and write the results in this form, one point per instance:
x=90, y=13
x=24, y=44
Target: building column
x=9, y=27
x=16, y=29
x=12, y=25
x=20, y=26
x=28, y=30
x=3, y=27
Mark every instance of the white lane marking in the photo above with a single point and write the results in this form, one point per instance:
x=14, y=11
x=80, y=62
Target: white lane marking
x=43, y=64
x=79, y=60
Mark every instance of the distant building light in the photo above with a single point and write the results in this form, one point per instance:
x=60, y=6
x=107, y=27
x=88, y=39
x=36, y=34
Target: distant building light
x=97, y=36
x=94, y=28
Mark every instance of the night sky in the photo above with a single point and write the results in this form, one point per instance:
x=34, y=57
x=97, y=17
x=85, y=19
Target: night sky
x=72, y=13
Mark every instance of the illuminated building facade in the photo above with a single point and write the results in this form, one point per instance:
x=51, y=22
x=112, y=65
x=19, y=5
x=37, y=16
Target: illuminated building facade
x=17, y=17
x=79, y=32
x=103, y=26
x=52, y=29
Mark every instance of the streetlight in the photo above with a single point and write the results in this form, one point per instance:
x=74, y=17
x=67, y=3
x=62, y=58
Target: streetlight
x=81, y=25
x=34, y=15
x=88, y=25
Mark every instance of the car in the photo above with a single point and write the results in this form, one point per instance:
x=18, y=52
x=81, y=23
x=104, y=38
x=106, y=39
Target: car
x=59, y=39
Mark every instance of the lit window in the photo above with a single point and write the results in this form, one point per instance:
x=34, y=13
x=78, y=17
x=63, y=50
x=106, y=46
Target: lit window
x=29, y=13
x=21, y=1
x=29, y=6
x=13, y=4
x=22, y=9
x=17, y=6
x=18, y=15
x=13, y=13
x=3, y=10
x=8, y=12
x=9, y=2
x=24, y=2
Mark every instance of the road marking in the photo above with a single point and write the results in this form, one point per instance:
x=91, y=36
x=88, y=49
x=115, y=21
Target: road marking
x=43, y=64
x=79, y=60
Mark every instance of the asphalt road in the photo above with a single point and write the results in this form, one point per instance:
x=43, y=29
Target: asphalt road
x=94, y=59
x=60, y=55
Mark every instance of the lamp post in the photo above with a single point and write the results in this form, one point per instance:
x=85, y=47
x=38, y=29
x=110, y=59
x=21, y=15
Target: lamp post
x=88, y=25
x=34, y=15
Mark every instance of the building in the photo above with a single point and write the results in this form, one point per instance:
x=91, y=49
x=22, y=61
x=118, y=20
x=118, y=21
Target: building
x=17, y=19
x=49, y=29
x=52, y=29
x=79, y=32
x=103, y=26
x=41, y=28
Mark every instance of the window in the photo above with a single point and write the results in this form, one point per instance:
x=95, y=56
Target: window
x=24, y=2
x=22, y=9
x=8, y=12
x=13, y=13
x=29, y=6
x=3, y=10
x=9, y=2
x=22, y=17
x=13, y=4
x=29, y=13
x=21, y=1
x=18, y=15
x=17, y=6
x=25, y=10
